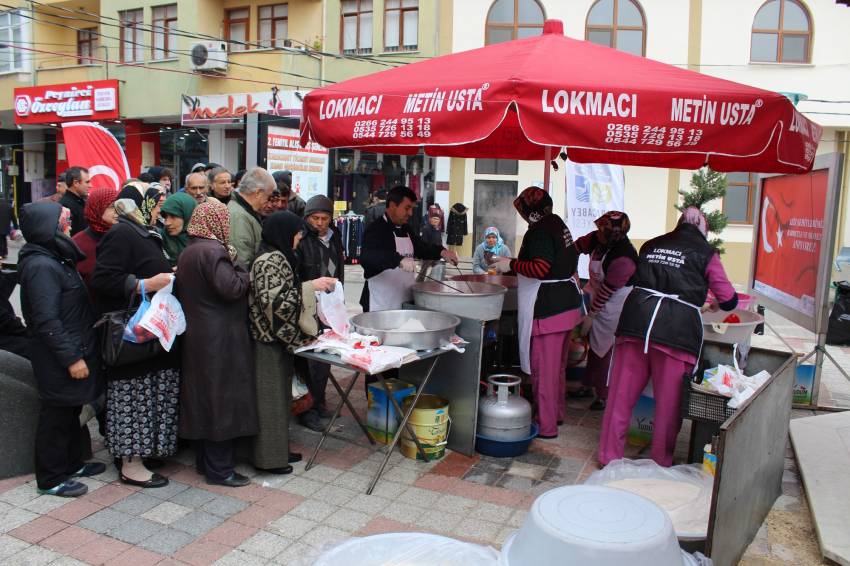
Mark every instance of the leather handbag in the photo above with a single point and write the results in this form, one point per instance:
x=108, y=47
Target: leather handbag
x=117, y=352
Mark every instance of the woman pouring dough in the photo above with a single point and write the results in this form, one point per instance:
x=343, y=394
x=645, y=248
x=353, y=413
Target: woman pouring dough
x=549, y=303
x=613, y=260
x=660, y=332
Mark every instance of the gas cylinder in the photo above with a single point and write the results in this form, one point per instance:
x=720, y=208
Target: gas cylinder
x=503, y=415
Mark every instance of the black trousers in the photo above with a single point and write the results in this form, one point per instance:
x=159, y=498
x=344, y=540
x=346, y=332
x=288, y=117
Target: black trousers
x=215, y=458
x=59, y=445
x=4, y=248
x=316, y=381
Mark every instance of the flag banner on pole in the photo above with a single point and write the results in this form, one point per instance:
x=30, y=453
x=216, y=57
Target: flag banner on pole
x=92, y=146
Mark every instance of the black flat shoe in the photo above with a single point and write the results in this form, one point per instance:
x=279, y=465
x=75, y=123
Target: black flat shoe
x=283, y=470
x=155, y=481
x=153, y=463
x=233, y=480
x=294, y=457
x=598, y=405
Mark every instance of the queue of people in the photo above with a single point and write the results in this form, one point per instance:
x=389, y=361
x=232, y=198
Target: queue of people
x=239, y=272
x=242, y=265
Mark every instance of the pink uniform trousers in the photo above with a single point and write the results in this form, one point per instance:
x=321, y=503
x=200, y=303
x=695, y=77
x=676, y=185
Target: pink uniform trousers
x=630, y=373
x=549, y=354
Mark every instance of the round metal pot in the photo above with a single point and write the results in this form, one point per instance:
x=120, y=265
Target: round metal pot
x=502, y=415
x=439, y=328
x=508, y=281
x=481, y=301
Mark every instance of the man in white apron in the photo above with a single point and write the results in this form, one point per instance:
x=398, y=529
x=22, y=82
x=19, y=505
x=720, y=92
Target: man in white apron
x=613, y=260
x=388, y=253
x=549, y=302
x=659, y=335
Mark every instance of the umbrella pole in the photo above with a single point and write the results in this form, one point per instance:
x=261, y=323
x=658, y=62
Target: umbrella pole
x=547, y=168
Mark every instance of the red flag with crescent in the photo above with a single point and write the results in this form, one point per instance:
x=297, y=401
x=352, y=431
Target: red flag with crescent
x=92, y=146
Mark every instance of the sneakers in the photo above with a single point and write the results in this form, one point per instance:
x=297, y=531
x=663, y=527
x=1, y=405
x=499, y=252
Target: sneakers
x=68, y=488
x=90, y=469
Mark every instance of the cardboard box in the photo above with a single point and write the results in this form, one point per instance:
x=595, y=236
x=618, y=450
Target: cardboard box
x=382, y=419
x=803, y=384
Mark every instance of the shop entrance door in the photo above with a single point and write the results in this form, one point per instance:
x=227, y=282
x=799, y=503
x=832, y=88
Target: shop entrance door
x=494, y=207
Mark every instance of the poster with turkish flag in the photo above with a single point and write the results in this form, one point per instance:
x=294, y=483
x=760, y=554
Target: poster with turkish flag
x=92, y=146
x=790, y=231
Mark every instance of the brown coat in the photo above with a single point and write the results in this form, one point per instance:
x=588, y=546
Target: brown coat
x=218, y=398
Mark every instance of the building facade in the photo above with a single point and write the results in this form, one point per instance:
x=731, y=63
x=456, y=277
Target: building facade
x=789, y=46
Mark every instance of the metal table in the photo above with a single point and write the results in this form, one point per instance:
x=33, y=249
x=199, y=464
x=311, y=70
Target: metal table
x=333, y=360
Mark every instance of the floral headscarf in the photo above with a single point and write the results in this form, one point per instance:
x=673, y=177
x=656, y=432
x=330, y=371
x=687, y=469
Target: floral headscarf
x=693, y=215
x=149, y=202
x=533, y=204
x=493, y=231
x=65, y=221
x=99, y=200
x=211, y=221
x=614, y=226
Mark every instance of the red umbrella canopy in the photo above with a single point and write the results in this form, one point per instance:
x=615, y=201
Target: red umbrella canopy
x=513, y=99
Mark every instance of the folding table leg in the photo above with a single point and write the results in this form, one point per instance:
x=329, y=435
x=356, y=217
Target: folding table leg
x=404, y=425
x=343, y=399
x=353, y=412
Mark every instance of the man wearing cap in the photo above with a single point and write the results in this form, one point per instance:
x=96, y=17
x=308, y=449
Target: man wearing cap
x=321, y=255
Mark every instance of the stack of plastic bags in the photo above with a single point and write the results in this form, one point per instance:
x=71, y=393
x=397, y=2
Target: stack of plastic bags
x=363, y=352
x=731, y=382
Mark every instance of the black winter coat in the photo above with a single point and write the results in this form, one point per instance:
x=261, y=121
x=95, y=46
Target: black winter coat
x=126, y=253
x=60, y=319
x=315, y=256
x=77, y=207
x=456, y=228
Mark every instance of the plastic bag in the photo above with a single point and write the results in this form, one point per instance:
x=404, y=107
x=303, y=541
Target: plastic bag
x=838, y=331
x=684, y=492
x=332, y=311
x=133, y=332
x=413, y=549
x=164, y=318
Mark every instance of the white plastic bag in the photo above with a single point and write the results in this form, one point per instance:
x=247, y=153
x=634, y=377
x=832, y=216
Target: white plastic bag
x=684, y=492
x=164, y=319
x=332, y=311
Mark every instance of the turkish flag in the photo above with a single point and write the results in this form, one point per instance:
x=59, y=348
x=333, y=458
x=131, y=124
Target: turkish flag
x=92, y=146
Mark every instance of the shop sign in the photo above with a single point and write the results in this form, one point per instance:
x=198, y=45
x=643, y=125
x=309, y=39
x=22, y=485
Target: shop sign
x=94, y=100
x=309, y=165
x=231, y=108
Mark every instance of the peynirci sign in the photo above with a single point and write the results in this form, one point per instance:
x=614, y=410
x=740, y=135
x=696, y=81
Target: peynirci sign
x=93, y=100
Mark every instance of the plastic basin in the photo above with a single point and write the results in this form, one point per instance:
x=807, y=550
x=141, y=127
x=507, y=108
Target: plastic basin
x=593, y=525
x=414, y=549
x=730, y=332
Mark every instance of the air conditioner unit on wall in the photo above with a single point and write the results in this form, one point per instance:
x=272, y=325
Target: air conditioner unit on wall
x=209, y=57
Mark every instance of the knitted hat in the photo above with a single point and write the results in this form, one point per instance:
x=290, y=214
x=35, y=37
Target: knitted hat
x=319, y=203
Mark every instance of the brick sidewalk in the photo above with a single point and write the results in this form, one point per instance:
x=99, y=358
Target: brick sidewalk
x=287, y=519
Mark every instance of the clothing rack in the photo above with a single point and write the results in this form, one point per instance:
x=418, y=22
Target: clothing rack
x=351, y=227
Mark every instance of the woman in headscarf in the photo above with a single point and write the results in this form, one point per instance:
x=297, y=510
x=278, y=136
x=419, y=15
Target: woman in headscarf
x=659, y=335
x=151, y=206
x=493, y=246
x=549, y=302
x=275, y=307
x=176, y=213
x=613, y=260
x=63, y=347
x=101, y=216
x=142, y=398
x=217, y=396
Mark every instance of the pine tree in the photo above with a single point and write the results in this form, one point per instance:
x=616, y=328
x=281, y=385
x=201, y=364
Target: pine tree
x=707, y=185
